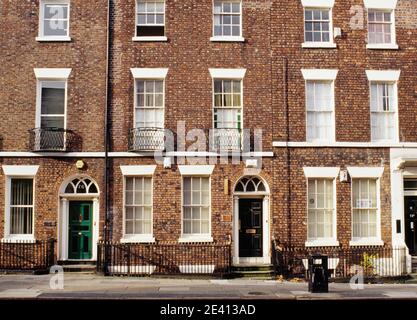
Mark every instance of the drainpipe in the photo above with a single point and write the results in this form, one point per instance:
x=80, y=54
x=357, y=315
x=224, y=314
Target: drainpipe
x=288, y=155
x=106, y=146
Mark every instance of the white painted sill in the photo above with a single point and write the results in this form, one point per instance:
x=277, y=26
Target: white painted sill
x=53, y=39
x=196, y=238
x=138, y=239
x=322, y=243
x=382, y=46
x=149, y=39
x=318, y=45
x=366, y=242
x=227, y=39
x=19, y=239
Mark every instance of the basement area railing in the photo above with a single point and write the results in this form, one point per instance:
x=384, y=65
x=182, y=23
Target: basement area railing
x=211, y=259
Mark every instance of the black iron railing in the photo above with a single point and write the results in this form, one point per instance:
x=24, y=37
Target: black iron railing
x=51, y=139
x=147, y=139
x=212, y=259
x=27, y=256
x=369, y=261
x=227, y=139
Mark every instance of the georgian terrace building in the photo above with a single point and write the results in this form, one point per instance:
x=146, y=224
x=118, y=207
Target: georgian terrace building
x=305, y=111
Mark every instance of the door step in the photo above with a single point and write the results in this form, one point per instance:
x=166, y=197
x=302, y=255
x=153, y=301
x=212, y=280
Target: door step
x=80, y=268
x=262, y=272
x=412, y=279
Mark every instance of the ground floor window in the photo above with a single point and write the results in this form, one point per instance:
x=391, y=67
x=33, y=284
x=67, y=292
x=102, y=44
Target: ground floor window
x=365, y=208
x=21, y=206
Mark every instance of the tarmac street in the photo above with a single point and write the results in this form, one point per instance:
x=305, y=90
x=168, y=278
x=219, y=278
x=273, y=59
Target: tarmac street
x=91, y=286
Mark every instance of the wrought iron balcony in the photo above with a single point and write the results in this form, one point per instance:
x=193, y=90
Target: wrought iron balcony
x=227, y=139
x=146, y=139
x=51, y=139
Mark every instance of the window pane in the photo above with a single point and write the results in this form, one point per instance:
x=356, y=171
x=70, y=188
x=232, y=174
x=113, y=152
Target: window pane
x=22, y=192
x=53, y=97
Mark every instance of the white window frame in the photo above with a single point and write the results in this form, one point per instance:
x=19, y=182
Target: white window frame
x=240, y=38
x=321, y=75
x=41, y=37
x=144, y=108
x=40, y=82
x=150, y=38
x=374, y=173
x=329, y=173
x=140, y=172
x=18, y=172
x=202, y=171
x=391, y=77
x=319, y=5
x=384, y=6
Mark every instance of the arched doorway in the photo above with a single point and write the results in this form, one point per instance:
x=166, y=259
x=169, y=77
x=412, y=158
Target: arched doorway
x=251, y=231
x=78, y=229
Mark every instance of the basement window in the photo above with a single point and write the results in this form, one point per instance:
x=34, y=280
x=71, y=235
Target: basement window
x=150, y=20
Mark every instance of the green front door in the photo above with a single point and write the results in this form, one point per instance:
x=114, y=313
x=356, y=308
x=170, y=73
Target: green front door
x=80, y=230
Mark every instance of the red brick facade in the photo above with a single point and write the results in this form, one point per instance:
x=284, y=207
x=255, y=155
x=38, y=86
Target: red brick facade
x=273, y=100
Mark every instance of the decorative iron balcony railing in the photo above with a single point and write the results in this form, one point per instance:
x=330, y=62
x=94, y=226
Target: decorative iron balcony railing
x=146, y=139
x=227, y=139
x=51, y=139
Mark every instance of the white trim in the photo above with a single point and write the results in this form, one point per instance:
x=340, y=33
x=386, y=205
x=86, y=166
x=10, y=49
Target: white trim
x=137, y=238
x=328, y=45
x=366, y=242
x=380, y=4
x=321, y=172
x=145, y=39
x=383, y=75
x=52, y=73
x=20, y=171
x=227, y=39
x=196, y=170
x=195, y=238
x=54, y=39
x=149, y=73
x=318, y=3
x=319, y=74
x=138, y=170
x=282, y=144
x=197, y=268
x=322, y=243
x=382, y=46
x=365, y=172
x=227, y=73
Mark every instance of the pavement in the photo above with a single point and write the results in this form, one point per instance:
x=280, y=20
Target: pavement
x=91, y=286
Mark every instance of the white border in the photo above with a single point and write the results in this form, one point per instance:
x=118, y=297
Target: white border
x=319, y=74
x=318, y=3
x=149, y=73
x=365, y=172
x=227, y=73
x=383, y=75
x=20, y=171
x=52, y=73
x=321, y=172
x=379, y=4
x=196, y=170
x=138, y=170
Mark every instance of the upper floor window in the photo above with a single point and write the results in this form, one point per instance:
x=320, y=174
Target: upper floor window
x=227, y=17
x=54, y=20
x=149, y=111
x=318, y=24
x=52, y=108
x=381, y=24
x=150, y=20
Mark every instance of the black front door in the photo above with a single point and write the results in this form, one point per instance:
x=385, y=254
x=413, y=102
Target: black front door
x=411, y=224
x=250, y=227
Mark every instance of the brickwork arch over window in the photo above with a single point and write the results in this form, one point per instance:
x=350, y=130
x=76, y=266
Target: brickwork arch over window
x=81, y=185
x=251, y=184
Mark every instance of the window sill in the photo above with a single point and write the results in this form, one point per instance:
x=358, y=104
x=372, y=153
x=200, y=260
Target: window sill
x=149, y=39
x=322, y=243
x=318, y=45
x=19, y=239
x=366, y=242
x=138, y=239
x=195, y=238
x=227, y=39
x=382, y=46
x=53, y=39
